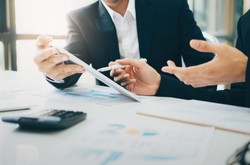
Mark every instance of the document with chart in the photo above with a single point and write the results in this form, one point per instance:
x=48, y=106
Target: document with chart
x=99, y=96
x=132, y=141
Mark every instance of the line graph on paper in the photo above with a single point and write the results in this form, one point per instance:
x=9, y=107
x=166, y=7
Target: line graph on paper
x=97, y=95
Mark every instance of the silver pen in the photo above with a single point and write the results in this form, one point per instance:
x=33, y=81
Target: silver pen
x=108, y=68
x=104, y=69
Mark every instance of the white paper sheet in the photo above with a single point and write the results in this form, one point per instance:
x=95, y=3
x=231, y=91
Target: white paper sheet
x=11, y=102
x=128, y=141
x=12, y=81
x=221, y=116
x=97, y=95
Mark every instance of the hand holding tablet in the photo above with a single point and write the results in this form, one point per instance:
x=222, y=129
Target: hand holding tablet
x=99, y=75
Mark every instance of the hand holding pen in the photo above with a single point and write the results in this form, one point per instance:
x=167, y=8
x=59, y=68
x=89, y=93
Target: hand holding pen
x=108, y=68
x=123, y=76
x=116, y=66
x=139, y=78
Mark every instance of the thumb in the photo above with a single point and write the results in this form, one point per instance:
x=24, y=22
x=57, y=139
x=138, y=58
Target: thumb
x=171, y=68
x=43, y=41
x=112, y=63
x=171, y=63
x=204, y=46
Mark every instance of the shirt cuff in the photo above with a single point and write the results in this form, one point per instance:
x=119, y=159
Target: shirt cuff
x=54, y=81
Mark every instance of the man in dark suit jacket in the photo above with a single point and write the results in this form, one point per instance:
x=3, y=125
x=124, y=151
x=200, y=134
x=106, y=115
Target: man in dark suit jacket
x=243, y=45
x=164, y=30
x=247, y=90
x=230, y=66
x=228, y=62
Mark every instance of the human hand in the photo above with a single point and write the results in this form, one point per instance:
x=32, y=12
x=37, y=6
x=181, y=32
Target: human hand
x=138, y=77
x=228, y=66
x=51, y=63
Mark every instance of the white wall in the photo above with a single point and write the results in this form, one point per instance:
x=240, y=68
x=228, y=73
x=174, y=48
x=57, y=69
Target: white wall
x=191, y=3
x=246, y=5
x=1, y=56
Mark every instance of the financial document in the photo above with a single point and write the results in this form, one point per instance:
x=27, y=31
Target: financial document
x=129, y=141
x=97, y=95
x=226, y=117
x=113, y=141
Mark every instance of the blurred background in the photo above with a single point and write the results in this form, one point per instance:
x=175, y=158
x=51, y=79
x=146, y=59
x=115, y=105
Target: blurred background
x=21, y=21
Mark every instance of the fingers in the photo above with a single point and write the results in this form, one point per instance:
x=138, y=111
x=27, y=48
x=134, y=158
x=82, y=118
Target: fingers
x=186, y=75
x=171, y=63
x=120, y=76
x=52, y=61
x=204, y=46
x=199, y=84
x=46, y=53
x=171, y=68
x=132, y=62
x=194, y=83
x=128, y=82
x=62, y=71
x=43, y=41
x=114, y=72
x=118, y=72
x=51, y=64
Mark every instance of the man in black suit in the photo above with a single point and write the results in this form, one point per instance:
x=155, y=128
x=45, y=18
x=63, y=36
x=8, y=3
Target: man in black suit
x=230, y=65
x=157, y=30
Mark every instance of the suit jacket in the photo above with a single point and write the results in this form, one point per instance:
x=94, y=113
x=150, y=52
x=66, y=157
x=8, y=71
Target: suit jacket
x=240, y=92
x=164, y=31
x=247, y=91
x=244, y=45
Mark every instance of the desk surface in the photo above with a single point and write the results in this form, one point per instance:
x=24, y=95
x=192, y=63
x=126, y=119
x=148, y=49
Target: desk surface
x=18, y=147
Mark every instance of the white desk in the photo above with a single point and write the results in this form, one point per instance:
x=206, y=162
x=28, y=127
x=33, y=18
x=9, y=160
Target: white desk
x=19, y=147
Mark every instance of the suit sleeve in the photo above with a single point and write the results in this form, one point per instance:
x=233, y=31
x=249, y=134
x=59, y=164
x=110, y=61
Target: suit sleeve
x=247, y=91
x=242, y=44
x=189, y=30
x=75, y=45
x=239, y=94
x=171, y=87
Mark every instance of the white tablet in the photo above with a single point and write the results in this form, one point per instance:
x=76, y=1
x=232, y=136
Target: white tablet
x=99, y=75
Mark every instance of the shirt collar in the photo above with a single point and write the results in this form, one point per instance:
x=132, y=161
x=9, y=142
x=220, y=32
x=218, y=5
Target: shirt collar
x=131, y=9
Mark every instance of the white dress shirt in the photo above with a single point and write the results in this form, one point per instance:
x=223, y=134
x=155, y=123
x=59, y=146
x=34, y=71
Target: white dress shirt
x=126, y=29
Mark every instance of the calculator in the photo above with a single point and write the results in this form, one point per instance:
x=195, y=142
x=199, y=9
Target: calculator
x=51, y=119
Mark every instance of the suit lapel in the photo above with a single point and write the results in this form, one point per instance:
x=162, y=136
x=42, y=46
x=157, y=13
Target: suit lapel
x=108, y=34
x=145, y=15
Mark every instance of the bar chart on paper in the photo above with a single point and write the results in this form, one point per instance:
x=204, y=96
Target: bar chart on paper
x=130, y=142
